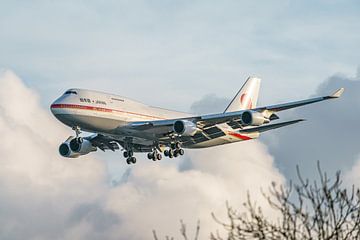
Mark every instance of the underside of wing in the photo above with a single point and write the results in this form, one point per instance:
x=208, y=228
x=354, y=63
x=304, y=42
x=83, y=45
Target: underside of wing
x=270, y=126
x=206, y=134
x=104, y=142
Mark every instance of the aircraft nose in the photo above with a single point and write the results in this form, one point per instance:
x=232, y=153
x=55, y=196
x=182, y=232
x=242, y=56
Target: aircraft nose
x=56, y=106
x=53, y=107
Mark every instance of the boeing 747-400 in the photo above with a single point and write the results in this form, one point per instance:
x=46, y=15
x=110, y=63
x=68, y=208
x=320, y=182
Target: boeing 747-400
x=121, y=123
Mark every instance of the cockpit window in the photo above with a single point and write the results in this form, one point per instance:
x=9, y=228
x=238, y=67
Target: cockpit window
x=70, y=92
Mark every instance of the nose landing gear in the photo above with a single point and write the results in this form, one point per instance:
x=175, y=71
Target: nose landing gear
x=77, y=131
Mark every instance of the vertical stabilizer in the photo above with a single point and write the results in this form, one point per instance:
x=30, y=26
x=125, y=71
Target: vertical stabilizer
x=247, y=97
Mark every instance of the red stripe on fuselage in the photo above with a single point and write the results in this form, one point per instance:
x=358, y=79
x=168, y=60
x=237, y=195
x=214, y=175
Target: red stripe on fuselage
x=237, y=135
x=99, y=109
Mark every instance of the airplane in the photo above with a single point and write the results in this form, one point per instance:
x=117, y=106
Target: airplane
x=119, y=123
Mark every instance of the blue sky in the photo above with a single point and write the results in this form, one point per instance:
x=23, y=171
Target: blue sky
x=182, y=48
x=185, y=55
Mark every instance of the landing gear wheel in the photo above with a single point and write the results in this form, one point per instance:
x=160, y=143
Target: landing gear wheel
x=176, y=153
x=181, y=152
x=166, y=153
x=177, y=145
x=159, y=156
x=150, y=155
x=171, y=153
x=131, y=160
x=126, y=154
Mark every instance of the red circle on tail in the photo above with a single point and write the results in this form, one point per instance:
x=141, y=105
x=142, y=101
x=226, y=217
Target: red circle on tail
x=245, y=99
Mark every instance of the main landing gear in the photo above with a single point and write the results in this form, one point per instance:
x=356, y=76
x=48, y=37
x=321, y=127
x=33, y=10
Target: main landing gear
x=154, y=155
x=174, y=151
x=129, y=155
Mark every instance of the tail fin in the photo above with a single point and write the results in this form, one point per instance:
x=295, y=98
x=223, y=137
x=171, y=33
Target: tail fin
x=247, y=97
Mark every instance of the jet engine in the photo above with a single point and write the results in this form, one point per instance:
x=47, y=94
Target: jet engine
x=185, y=128
x=252, y=118
x=81, y=146
x=75, y=147
x=65, y=150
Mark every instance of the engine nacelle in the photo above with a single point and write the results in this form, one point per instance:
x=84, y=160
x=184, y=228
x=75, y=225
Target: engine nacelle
x=75, y=147
x=81, y=146
x=252, y=118
x=185, y=128
x=65, y=150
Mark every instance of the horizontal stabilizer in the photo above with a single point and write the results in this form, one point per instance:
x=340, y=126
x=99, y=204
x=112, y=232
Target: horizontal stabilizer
x=270, y=126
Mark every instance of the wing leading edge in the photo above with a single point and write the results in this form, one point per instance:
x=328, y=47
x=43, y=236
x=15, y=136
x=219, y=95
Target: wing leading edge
x=286, y=106
x=205, y=121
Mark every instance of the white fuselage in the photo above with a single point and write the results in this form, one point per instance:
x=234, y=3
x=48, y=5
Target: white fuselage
x=99, y=112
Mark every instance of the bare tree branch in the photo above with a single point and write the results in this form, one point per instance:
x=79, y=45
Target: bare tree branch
x=321, y=210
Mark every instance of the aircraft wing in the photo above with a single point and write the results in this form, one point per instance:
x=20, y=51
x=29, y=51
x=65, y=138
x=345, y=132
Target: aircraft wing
x=285, y=106
x=270, y=126
x=233, y=119
x=103, y=142
x=203, y=121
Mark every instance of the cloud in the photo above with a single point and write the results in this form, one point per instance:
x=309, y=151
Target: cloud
x=330, y=135
x=38, y=188
x=210, y=103
x=216, y=175
x=44, y=196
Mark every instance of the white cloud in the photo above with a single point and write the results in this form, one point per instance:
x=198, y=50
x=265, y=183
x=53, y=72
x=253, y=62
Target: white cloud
x=38, y=188
x=216, y=175
x=351, y=175
x=45, y=196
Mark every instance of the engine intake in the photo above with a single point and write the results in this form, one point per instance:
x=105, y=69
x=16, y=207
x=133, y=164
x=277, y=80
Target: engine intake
x=185, y=128
x=65, y=150
x=251, y=118
x=75, y=147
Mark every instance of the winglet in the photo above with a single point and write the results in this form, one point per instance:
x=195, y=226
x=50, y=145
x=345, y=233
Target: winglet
x=338, y=93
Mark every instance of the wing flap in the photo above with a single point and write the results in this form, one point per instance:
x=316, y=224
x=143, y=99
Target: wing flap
x=270, y=126
x=104, y=142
